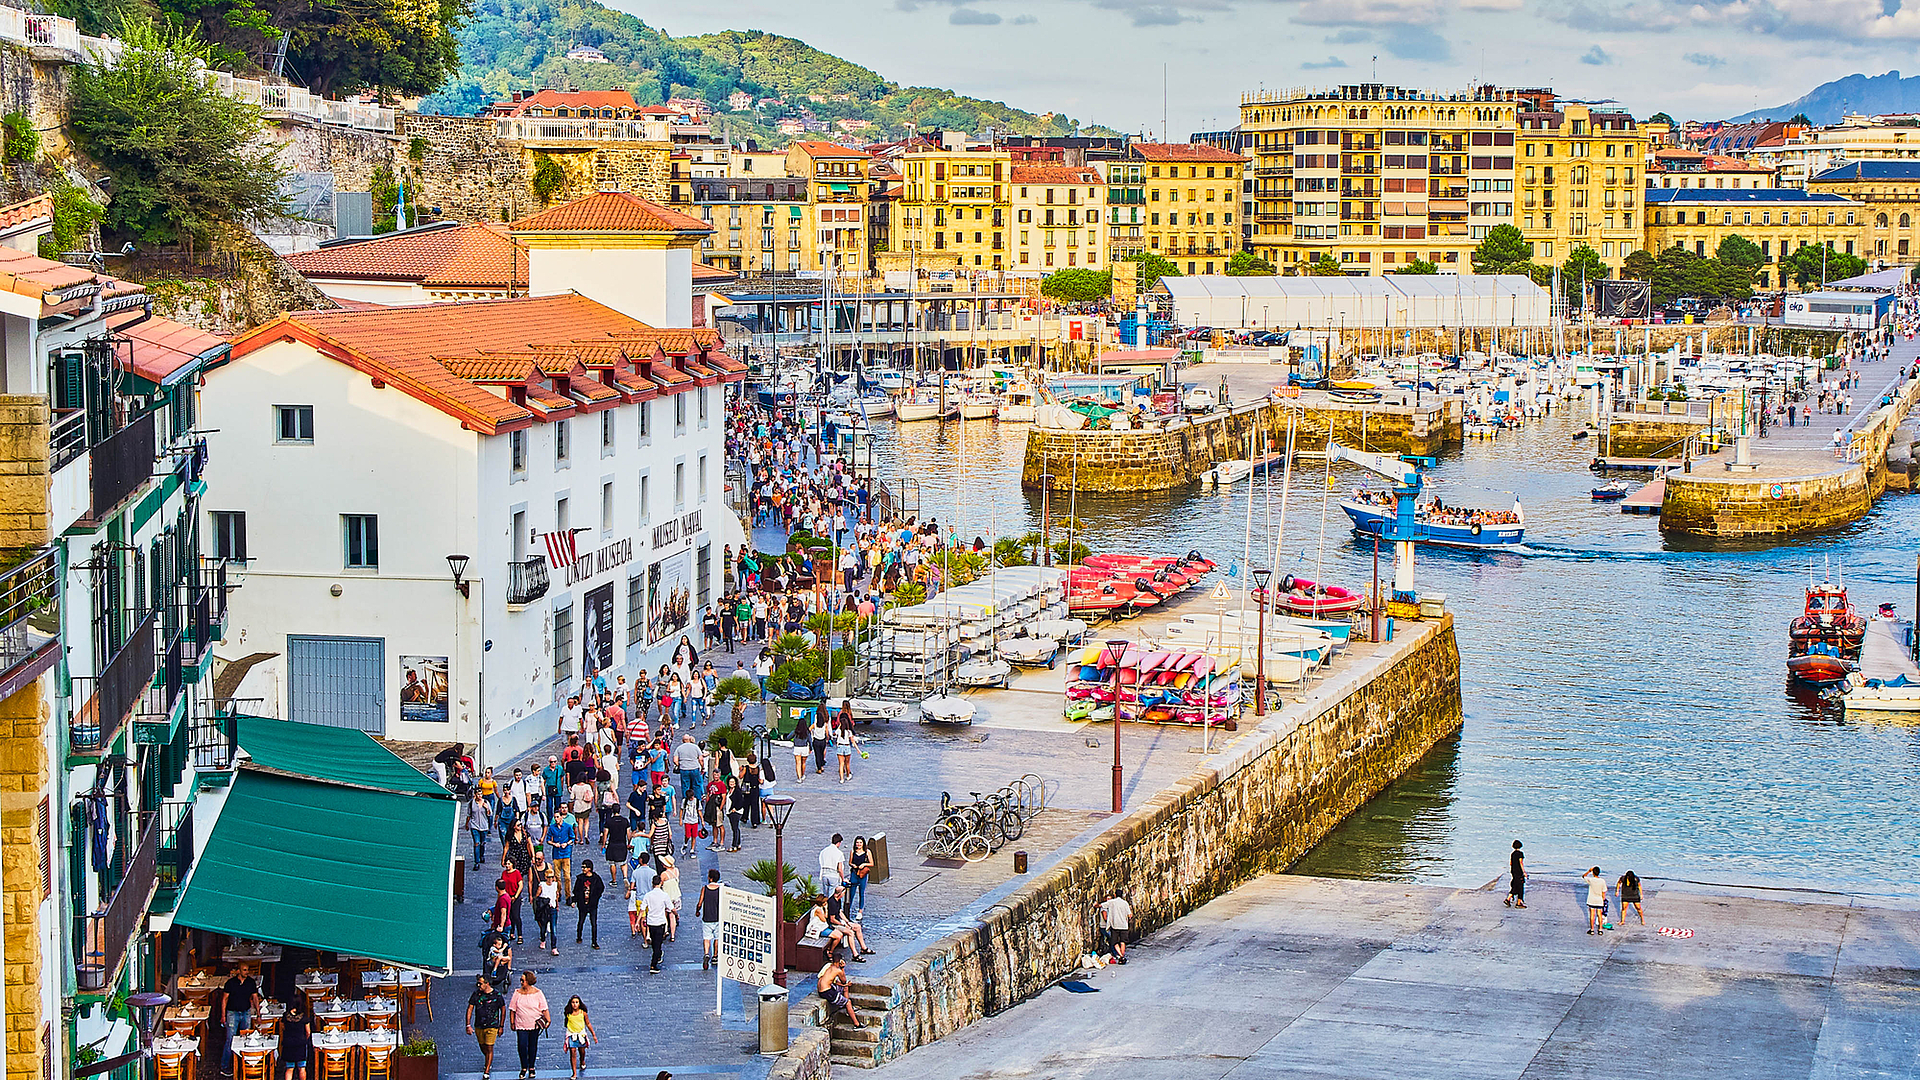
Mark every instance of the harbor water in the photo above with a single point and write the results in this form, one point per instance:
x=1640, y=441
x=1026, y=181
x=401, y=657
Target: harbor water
x=1625, y=694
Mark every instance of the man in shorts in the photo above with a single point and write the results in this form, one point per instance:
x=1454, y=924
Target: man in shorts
x=486, y=1011
x=1116, y=915
x=710, y=921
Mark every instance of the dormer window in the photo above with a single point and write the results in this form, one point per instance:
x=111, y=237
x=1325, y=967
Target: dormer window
x=562, y=112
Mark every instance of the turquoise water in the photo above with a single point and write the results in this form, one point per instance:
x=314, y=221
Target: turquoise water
x=1626, y=700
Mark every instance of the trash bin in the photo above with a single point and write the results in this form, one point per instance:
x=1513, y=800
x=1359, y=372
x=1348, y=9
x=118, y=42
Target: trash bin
x=880, y=871
x=773, y=1019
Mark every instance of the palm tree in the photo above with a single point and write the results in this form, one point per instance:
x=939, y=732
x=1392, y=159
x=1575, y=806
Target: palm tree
x=739, y=690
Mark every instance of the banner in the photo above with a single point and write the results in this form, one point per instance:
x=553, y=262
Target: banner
x=746, y=936
x=423, y=689
x=669, y=596
x=597, y=648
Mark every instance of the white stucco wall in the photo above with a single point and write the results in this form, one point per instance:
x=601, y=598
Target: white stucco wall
x=654, y=285
x=373, y=292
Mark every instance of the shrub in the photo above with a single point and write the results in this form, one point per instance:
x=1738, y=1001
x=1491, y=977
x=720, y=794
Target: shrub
x=22, y=140
x=801, y=891
x=548, y=177
x=738, y=740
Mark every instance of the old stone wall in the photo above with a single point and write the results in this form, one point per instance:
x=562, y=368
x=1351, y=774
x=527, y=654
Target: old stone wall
x=1178, y=451
x=23, y=472
x=457, y=167
x=807, y=1057
x=1277, y=795
x=1647, y=437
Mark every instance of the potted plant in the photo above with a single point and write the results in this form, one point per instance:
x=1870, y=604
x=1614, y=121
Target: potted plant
x=737, y=689
x=417, y=1059
x=801, y=892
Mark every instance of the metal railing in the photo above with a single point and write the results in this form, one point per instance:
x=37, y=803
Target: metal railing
x=101, y=938
x=175, y=855
x=67, y=440
x=122, y=463
x=206, y=614
x=116, y=690
x=527, y=580
x=29, y=610
x=156, y=702
x=211, y=734
x=542, y=129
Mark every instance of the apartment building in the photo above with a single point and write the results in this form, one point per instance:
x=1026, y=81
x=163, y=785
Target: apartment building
x=1808, y=152
x=1375, y=176
x=1780, y=220
x=760, y=226
x=836, y=183
x=1192, y=203
x=1057, y=218
x=1126, y=209
x=1673, y=167
x=1889, y=195
x=955, y=206
x=1579, y=173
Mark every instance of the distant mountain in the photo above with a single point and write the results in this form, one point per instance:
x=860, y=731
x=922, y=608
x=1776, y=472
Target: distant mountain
x=1868, y=94
x=523, y=44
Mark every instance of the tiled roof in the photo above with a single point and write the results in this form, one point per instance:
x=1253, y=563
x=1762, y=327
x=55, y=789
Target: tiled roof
x=472, y=256
x=1665, y=161
x=1871, y=170
x=162, y=351
x=552, y=99
x=821, y=148
x=611, y=211
x=33, y=276
x=1199, y=152
x=1743, y=195
x=1054, y=174
x=30, y=211
x=711, y=275
x=406, y=346
x=490, y=368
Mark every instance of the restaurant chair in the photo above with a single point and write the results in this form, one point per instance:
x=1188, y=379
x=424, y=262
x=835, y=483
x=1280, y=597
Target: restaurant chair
x=254, y=1064
x=316, y=994
x=350, y=973
x=333, y=1021
x=378, y=1062
x=411, y=996
x=333, y=1062
x=174, y=1065
x=384, y=1021
x=267, y=1025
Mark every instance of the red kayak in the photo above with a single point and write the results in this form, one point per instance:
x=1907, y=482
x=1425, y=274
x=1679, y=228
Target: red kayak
x=1303, y=597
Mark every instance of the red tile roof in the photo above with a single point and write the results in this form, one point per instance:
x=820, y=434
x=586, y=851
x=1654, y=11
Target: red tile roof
x=1054, y=174
x=572, y=99
x=22, y=213
x=465, y=256
x=712, y=275
x=611, y=211
x=1199, y=152
x=41, y=279
x=820, y=148
x=161, y=349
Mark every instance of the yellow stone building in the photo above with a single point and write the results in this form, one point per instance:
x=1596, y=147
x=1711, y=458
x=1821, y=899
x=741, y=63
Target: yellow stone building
x=955, y=205
x=1375, y=177
x=836, y=181
x=1780, y=220
x=1889, y=193
x=1580, y=172
x=1192, y=203
x=1056, y=218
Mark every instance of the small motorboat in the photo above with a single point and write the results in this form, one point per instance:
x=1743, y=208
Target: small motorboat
x=1897, y=694
x=867, y=710
x=1612, y=489
x=1227, y=473
x=983, y=673
x=1303, y=597
x=1820, y=665
x=946, y=709
x=1069, y=631
x=1823, y=644
x=1028, y=651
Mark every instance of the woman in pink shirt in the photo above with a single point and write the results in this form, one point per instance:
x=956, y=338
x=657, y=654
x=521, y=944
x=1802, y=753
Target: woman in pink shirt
x=528, y=1016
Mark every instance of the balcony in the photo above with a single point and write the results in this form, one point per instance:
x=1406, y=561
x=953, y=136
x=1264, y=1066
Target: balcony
x=153, y=712
x=115, y=692
x=175, y=856
x=100, y=939
x=206, y=614
x=29, y=619
x=121, y=466
x=210, y=732
x=527, y=580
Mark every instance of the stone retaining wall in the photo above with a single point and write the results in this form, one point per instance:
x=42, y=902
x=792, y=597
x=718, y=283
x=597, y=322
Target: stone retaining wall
x=1178, y=451
x=806, y=1058
x=1649, y=437
x=1274, y=797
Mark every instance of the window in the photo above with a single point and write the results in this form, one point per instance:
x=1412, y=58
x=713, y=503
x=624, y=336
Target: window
x=362, y=540
x=646, y=498
x=230, y=535
x=703, y=406
x=703, y=575
x=606, y=506
x=646, y=422
x=701, y=480
x=562, y=430
x=517, y=451
x=606, y=431
x=294, y=423
x=679, y=486
x=562, y=644
x=679, y=414
x=636, y=609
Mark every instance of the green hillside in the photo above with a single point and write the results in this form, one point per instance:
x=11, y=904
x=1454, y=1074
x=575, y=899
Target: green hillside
x=522, y=44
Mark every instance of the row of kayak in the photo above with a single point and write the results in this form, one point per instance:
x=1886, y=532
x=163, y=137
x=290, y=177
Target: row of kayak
x=1115, y=585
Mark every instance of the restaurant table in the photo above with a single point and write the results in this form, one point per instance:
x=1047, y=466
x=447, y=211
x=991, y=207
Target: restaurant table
x=391, y=975
x=186, y=1016
x=199, y=986
x=183, y=1053
x=336, y=1039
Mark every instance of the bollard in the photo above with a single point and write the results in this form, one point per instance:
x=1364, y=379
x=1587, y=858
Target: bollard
x=773, y=1019
x=1019, y=862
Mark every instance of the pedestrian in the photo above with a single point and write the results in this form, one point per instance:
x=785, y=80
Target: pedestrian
x=553, y=782
x=237, y=996
x=1517, y=887
x=587, y=889
x=710, y=921
x=517, y=888
x=802, y=739
x=613, y=831
x=479, y=823
x=654, y=905
x=737, y=802
x=546, y=911
x=579, y=1033
x=1628, y=890
x=1596, y=899
x=833, y=865
x=486, y=1013
x=500, y=921
x=843, y=743
x=670, y=884
x=296, y=1043
x=527, y=1012
x=560, y=837
x=690, y=824
x=838, y=919
x=1116, y=915
x=687, y=758
x=860, y=866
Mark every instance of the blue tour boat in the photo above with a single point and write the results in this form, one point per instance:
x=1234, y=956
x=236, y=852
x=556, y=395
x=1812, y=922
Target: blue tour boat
x=1451, y=527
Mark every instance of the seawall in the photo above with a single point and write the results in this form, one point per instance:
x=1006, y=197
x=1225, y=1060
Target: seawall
x=1175, y=452
x=1254, y=808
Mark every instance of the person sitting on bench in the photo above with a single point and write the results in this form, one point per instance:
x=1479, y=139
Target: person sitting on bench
x=820, y=927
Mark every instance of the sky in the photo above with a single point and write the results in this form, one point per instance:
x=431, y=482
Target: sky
x=1101, y=61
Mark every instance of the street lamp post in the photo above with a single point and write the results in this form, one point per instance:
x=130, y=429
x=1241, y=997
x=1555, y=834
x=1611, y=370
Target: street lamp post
x=1117, y=650
x=779, y=807
x=1260, y=579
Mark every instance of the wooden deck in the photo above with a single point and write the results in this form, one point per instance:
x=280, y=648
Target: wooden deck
x=1884, y=655
x=1634, y=464
x=1647, y=500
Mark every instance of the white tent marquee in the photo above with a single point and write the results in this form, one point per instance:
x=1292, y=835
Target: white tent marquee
x=1396, y=301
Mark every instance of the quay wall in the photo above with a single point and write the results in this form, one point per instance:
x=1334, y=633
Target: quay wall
x=1649, y=436
x=1169, y=454
x=1255, y=809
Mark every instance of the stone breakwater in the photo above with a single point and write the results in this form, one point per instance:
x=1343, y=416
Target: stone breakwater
x=1170, y=453
x=1255, y=808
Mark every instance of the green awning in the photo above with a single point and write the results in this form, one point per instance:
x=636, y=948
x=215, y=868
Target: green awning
x=840, y=189
x=332, y=867
x=339, y=755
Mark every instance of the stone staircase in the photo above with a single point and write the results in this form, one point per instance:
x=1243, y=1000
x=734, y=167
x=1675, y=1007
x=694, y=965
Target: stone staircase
x=858, y=1047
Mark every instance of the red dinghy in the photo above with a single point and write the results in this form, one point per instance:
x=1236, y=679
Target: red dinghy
x=1303, y=597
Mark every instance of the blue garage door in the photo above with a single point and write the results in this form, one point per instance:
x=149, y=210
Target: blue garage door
x=338, y=682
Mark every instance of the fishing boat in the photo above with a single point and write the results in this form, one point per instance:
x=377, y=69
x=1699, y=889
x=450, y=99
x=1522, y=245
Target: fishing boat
x=1823, y=643
x=1019, y=404
x=1448, y=526
x=1612, y=489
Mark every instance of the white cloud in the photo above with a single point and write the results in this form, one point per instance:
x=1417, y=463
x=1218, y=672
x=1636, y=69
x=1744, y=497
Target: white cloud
x=970, y=17
x=1370, y=12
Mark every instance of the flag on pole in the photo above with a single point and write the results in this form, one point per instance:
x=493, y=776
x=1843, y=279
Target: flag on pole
x=400, y=203
x=561, y=552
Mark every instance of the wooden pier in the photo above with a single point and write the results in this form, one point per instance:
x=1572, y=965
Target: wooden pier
x=1633, y=464
x=1884, y=654
x=1646, y=500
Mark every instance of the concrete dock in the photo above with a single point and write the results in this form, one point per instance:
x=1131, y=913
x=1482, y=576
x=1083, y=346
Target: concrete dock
x=1310, y=977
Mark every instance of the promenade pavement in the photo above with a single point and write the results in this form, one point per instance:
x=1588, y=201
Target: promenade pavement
x=1297, y=977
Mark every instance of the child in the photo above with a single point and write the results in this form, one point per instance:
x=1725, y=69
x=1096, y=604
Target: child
x=633, y=908
x=690, y=821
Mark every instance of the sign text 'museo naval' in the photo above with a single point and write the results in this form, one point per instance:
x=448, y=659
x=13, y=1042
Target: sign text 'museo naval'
x=595, y=563
x=670, y=533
